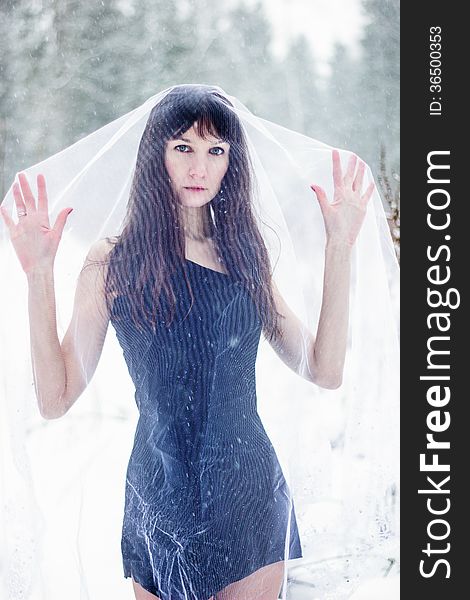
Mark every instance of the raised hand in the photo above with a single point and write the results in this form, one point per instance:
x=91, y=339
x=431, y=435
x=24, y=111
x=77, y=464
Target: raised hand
x=344, y=216
x=33, y=239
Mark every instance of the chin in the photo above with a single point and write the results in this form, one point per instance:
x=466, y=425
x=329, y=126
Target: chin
x=195, y=200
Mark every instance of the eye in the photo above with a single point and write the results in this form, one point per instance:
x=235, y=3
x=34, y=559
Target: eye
x=181, y=146
x=222, y=151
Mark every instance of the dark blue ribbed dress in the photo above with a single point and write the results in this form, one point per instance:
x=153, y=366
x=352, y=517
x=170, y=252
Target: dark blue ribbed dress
x=206, y=501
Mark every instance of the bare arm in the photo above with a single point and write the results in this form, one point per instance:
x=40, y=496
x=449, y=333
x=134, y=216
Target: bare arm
x=320, y=359
x=62, y=371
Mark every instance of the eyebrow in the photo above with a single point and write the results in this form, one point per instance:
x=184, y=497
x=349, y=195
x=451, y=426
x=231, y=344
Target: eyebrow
x=190, y=142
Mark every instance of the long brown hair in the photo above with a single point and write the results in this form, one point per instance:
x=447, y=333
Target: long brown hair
x=152, y=244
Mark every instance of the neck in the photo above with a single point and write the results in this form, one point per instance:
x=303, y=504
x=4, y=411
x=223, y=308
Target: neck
x=195, y=223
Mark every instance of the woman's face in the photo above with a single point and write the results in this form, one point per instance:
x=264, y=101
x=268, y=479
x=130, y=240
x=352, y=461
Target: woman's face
x=196, y=166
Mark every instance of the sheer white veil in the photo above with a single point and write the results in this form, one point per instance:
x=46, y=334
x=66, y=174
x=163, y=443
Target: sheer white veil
x=62, y=481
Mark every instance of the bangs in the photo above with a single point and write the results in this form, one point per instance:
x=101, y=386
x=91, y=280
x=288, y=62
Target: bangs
x=210, y=115
x=206, y=127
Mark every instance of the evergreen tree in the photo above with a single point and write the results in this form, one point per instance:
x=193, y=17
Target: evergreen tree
x=299, y=87
x=158, y=48
x=245, y=59
x=343, y=113
x=23, y=95
x=6, y=88
x=85, y=66
x=380, y=78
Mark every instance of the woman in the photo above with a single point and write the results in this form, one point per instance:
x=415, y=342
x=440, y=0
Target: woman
x=187, y=286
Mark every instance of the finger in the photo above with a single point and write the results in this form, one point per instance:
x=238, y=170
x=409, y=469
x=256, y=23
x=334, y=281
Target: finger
x=18, y=196
x=321, y=197
x=337, y=173
x=351, y=168
x=357, y=183
x=7, y=219
x=368, y=193
x=42, y=193
x=61, y=220
x=27, y=193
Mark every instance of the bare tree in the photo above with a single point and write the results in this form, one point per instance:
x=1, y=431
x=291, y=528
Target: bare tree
x=390, y=189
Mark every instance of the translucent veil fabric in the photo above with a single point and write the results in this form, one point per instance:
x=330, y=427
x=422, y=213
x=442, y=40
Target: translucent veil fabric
x=63, y=480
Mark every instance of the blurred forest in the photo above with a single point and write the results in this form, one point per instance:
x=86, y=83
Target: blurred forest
x=68, y=67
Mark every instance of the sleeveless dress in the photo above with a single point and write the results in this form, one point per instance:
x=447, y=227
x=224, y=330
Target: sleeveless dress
x=206, y=502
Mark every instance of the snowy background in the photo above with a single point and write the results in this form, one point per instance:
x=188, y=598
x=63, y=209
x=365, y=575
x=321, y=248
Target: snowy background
x=327, y=68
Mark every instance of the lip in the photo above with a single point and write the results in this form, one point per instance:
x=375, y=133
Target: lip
x=195, y=189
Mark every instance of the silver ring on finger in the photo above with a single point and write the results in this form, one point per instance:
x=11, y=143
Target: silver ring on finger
x=22, y=213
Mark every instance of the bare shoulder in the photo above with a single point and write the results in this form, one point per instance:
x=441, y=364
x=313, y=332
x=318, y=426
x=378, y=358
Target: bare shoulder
x=100, y=249
x=92, y=280
x=95, y=268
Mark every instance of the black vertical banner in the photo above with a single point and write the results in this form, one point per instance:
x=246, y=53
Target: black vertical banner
x=435, y=238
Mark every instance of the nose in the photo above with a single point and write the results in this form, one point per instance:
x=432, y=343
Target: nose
x=198, y=168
